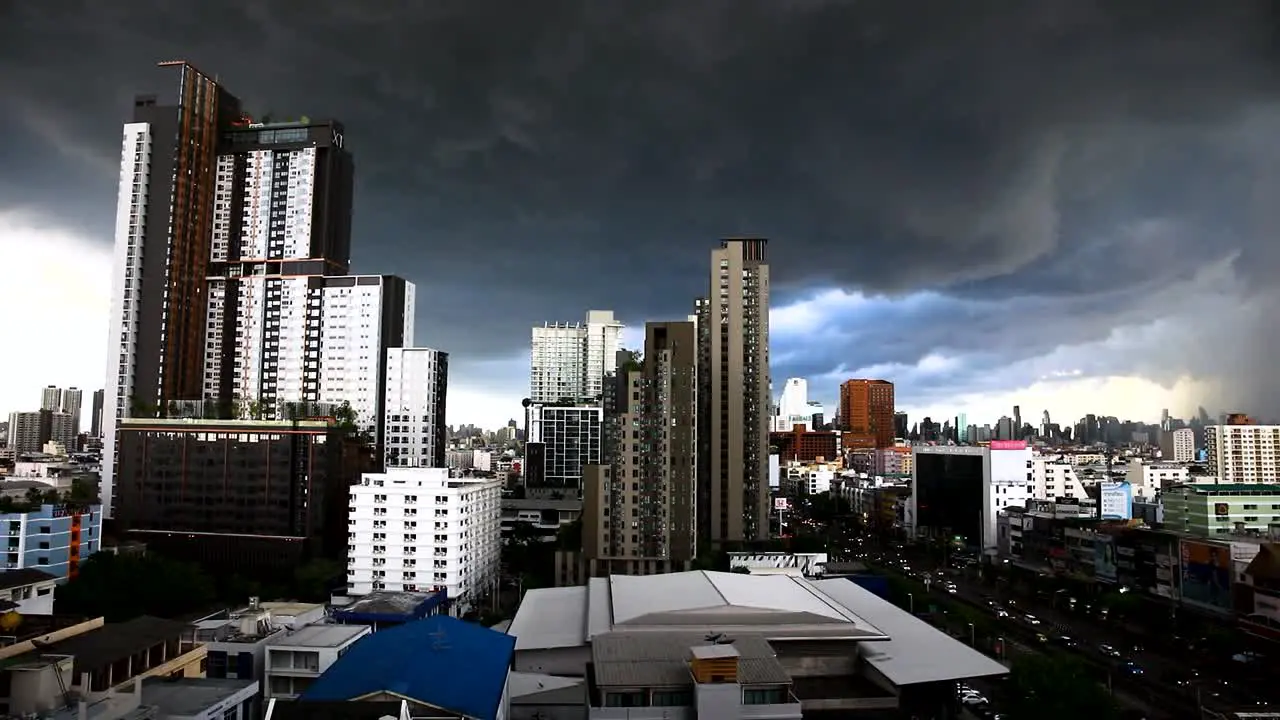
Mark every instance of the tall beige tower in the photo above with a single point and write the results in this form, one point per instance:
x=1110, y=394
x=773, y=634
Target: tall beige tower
x=733, y=334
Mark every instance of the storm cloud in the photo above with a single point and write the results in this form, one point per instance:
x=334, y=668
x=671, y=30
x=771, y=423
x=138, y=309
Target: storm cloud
x=961, y=186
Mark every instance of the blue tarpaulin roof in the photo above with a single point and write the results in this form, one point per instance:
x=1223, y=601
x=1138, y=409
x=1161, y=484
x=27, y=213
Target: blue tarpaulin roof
x=439, y=661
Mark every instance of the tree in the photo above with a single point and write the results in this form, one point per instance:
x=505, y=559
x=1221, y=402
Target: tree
x=83, y=492
x=121, y=587
x=1058, y=688
x=313, y=580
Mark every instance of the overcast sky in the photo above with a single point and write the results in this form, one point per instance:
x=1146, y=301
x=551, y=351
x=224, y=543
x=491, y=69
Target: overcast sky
x=1069, y=204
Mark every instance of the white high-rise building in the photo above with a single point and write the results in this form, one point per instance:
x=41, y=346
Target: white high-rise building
x=1178, y=445
x=795, y=408
x=414, y=405
x=1243, y=453
x=570, y=360
x=417, y=529
x=51, y=398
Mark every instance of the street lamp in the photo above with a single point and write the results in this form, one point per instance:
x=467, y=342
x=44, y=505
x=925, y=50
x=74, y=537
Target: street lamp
x=973, y=636
x=911, y=602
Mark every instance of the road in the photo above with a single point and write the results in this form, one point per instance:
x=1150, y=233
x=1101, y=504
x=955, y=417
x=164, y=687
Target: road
x=1154, y=688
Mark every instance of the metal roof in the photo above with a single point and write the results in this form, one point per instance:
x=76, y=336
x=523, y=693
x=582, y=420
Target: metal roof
x=550, y=618
x=777, y=606
x=916, y=652
x=662, y=659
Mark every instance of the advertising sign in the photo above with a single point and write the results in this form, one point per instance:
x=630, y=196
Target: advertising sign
x=1104, y=558
x=1117, y=501
x=1205, y=574
x=780, y=504
x=1008, y=444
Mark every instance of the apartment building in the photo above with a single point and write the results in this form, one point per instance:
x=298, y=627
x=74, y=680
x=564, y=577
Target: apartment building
x=417, y=382
x=561, y=441
x=1178, y=446
x=867, y=410
x=51, y=538
x=639, y=512
x=734, y=413
x=417, y=529
x=1243, y=453
x=568, y=361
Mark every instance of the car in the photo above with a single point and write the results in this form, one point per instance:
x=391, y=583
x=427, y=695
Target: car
x=1001, y=612
x=1108, y=650
x=1031, y=619
x=1066, y=641
x=972, y=701
x=1132, y=668
x=1042, y=638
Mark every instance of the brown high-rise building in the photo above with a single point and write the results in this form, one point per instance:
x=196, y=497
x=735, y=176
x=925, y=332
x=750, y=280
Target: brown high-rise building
x=638, y=508
x=164, y=221
x=734, y=398
x=866, y=410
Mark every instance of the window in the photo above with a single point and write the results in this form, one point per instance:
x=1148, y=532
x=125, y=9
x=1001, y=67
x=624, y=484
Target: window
x=625, y=699
x=764, y=696
x=672, y=698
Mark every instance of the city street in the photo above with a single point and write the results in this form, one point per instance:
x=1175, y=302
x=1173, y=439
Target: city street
x=1164, y=677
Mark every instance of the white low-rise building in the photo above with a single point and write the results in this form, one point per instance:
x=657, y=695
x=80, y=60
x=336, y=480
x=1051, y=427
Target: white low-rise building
x=27, y=591
x=417, y=529
x=1148, y=479
x=298, y=657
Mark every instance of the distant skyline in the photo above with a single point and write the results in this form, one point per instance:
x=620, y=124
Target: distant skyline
x=1055, y=206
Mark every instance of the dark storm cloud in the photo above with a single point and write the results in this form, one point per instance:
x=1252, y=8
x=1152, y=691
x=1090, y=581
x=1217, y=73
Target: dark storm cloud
x=525, y=160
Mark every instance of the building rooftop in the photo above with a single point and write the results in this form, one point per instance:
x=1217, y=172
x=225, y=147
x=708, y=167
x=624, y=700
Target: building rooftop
x=1230, y=488
x=188, y=697
x=662, y=659
x=341, y=710
x=388, y=606
x=539, y=504
x=916, y=652
x=112, y=642
x=539, y=689
x=24, y=576
x=326, y=636
x=776, y=605
x=440, y=661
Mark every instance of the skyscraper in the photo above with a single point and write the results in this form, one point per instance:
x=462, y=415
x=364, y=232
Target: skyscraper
x=867, y=410
x=568, y=361
x=417, y=385
x=164, y=220
x=95, y=421
x=51, y=398
x=734, y=398
x=72, y=404
x=649, y=480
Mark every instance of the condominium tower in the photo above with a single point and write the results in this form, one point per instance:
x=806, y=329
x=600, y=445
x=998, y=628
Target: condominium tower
x=417, y=382
x=734, y=398
x=639, y=505
x=866, y=410
x=568, y=361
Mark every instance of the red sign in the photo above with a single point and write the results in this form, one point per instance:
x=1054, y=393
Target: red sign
x=1008, y=444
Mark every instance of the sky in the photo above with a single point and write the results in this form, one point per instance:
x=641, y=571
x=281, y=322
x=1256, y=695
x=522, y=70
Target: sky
x=1068, y=204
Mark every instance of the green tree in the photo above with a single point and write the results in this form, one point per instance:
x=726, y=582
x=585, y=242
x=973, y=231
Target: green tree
x=313, y=580
x=51, y=497
x=1058, y=688
x=83, y=492
x=121, y=587
x=569, y=537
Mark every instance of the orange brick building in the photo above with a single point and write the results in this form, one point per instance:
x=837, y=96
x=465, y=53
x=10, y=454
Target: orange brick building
x=866, y=412
x=805, y=445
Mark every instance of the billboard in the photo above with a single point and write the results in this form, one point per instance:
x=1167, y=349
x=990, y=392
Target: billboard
x=1104, y=558
x=1116, y=500
x=1205, y=575
x=1008, y=444
x=781, y=504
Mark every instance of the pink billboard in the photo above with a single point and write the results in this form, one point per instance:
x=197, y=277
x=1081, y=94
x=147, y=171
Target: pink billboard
x=1008, y=444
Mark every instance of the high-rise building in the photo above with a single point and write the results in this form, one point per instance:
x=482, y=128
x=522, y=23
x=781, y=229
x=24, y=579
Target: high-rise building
x=734, y=399
x=639, y=507
x=1178, y=445
x=25, y=434
x=867, y=410
x=407, y=515
x=72, y=404
x=95, y=421
x=562, y=440
x=1243, y=453
x=51, y=398
x=417, y=385
x=164, y=222
x=568, y=361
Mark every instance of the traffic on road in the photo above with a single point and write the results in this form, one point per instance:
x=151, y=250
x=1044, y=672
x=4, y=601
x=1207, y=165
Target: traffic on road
x=1180, y=679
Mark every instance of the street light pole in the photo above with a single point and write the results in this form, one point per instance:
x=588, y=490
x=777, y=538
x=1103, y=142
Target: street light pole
x=973, y=636
x=911, y=602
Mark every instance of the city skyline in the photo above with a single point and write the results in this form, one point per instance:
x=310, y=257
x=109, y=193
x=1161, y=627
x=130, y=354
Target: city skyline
x=1060, y=263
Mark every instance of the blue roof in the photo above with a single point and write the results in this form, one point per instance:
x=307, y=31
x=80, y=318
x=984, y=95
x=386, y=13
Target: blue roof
x=439, y=661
